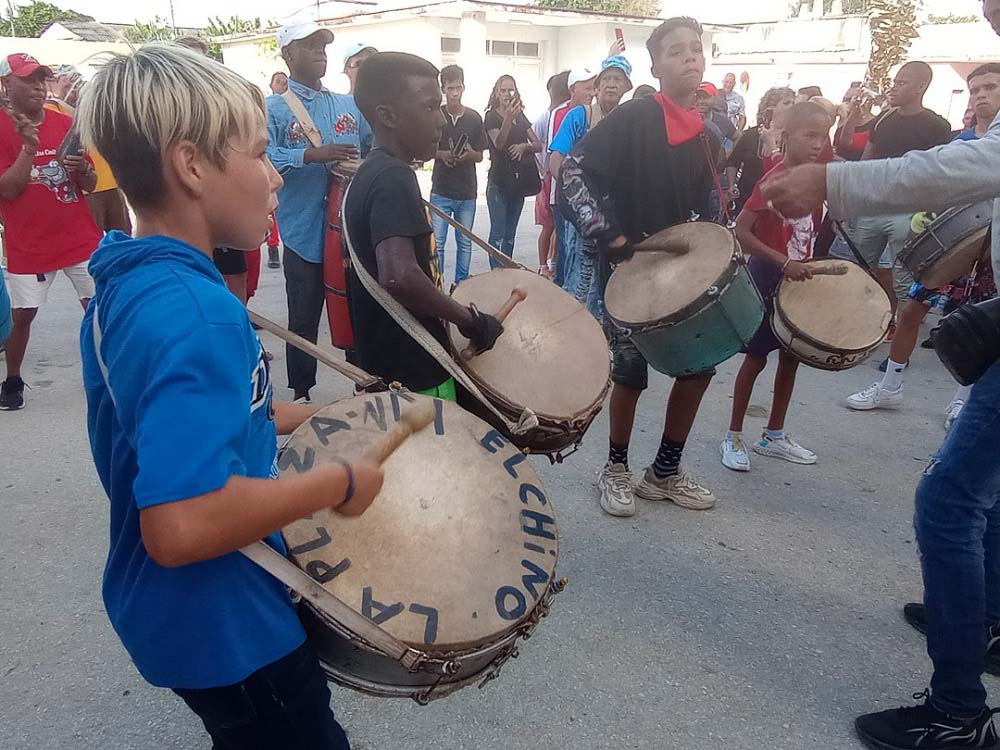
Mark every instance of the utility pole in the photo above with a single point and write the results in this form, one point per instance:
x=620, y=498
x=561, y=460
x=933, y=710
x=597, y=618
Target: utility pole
x=10, y=10
x=173, y=20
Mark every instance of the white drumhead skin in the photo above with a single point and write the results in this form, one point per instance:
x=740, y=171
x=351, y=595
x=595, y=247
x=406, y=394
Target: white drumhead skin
x=846, y=312
x=655, y=285
x=455, y=550
x=552, y=356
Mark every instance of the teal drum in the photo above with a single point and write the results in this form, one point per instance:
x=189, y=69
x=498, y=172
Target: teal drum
x=686, y=312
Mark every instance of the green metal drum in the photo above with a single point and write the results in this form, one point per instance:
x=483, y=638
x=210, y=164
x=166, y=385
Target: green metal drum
x=686, y=313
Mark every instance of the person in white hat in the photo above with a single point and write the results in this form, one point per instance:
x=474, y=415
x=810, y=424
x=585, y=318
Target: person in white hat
x=354, y=55
x=305, y=167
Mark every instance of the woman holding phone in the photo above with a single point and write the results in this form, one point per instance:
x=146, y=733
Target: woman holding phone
x=747, y=159
x=513, y=171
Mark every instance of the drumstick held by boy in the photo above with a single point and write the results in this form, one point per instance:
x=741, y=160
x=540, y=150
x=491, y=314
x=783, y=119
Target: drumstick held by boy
x=179, y=408
x=778, y=249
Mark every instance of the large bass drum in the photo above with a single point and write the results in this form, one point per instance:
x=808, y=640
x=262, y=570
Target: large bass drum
x=456, y=557
x=832, y=322
x=686, y=313
x=552, y=358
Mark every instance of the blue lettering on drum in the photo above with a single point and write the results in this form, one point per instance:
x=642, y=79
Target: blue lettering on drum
x=530, y=489
x=534, y=523
x=431, y=628
x=438, y=417
x=323, y=427
x=289, y=457
x=375, y=410
x=322, y=539
x=534, y=575
x=513, y=461
x=324, y=572
x=493, y=441
x=379, y=613
x=507, y=612
x=394, y=397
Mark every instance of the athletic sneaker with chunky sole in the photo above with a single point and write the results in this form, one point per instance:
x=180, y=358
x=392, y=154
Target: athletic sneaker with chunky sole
x=681, y=489
x=923, y=727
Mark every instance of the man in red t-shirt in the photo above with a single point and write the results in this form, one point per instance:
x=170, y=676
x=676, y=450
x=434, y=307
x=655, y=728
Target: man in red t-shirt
x=778, y=249
x=47, y=225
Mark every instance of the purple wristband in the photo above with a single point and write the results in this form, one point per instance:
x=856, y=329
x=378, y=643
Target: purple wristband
x=350, y=479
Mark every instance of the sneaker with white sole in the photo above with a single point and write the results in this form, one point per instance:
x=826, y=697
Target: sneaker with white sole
x=681, y=489
x=875, y=397
x=784, y=448
x=734, y=453
x=617, y=491
x=952, y=412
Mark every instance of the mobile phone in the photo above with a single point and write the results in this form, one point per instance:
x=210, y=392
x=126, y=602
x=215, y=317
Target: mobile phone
x=620, y=36
x=71, y=144
x=459, y=147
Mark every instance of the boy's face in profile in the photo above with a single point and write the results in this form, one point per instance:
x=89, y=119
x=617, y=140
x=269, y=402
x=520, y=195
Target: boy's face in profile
x=805, y=143
x=419, y=119
x=239, y=197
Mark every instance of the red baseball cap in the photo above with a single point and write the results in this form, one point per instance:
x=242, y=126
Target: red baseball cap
x=709, y=88
x=22, y=66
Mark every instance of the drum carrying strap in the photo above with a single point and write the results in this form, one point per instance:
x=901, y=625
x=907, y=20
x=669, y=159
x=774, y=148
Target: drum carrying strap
x=413, y=328
x=316, y=139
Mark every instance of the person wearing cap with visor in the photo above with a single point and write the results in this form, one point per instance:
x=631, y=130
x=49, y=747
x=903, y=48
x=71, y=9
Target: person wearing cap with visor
x=305, y=168
x=613, y=82
x=581, y=91
x=356, y=54
x=47, y=225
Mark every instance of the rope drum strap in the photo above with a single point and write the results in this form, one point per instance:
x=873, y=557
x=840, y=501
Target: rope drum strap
x=404, y=318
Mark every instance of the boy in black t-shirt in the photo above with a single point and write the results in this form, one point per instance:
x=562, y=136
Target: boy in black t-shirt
x=453, y=183
x=642, y=169
x=387, y=223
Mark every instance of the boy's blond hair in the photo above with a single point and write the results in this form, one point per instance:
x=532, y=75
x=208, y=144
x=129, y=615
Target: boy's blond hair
x=139, y=104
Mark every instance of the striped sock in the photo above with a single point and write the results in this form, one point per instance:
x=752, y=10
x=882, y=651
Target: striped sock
x=618, y=454
x=668, y=459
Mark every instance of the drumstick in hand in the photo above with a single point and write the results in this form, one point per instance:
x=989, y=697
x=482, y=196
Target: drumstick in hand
x=517, y=296
x=413, y=420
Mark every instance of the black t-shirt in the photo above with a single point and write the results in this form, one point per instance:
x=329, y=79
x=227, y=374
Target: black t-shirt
x=501, y=171
x=458, y=183
x=384, y=201
x=894, y=134
x=746, y=157
x=649, y=184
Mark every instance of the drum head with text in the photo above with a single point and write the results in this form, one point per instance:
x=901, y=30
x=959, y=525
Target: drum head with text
x=552, y=357
x=849, y=312
x=460, y=543
x=656, y=285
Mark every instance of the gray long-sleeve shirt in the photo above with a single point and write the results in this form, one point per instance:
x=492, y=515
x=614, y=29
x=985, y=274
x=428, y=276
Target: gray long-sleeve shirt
x=955, y=174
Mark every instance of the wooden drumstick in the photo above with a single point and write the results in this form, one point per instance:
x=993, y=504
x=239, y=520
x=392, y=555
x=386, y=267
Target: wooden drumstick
x=517, y=296
x=413, y=420
x=839, y=270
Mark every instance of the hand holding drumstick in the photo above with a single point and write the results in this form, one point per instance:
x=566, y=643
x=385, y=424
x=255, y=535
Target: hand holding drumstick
x=517, y=296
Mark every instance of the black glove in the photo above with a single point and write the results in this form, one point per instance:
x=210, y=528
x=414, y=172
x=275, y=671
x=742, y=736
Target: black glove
x=483, y=331
x=621, y=254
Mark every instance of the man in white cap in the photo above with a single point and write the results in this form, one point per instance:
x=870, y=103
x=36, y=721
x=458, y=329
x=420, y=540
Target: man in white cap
x=302, y=212
x=354, y=55
x=581, y=91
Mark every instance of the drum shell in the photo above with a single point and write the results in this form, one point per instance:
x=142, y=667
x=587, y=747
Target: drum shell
x=942, y=253
x=706, y=333
x=809, y=351
x=335, y=268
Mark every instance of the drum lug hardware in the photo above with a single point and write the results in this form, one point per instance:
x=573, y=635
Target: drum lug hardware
x=713, y=291
x=512, y=653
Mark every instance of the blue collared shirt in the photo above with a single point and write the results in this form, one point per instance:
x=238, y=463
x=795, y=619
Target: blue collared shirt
x=302, y=199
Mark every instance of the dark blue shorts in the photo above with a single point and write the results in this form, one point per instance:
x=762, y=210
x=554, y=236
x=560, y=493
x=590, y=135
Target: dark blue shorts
x=767, y=277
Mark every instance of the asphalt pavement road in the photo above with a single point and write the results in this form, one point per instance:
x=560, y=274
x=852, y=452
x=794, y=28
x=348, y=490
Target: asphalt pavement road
x=768, y=622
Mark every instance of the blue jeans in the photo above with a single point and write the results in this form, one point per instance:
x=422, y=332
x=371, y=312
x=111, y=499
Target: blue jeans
x=588, y=290
x=958, y=530
x=571, y=258
x=505, y=211
x=285, y=704
x=560, y=223
x=464, y=212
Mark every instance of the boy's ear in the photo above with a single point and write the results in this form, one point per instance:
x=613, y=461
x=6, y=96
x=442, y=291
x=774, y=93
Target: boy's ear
x=386, y=115
x=185, y=166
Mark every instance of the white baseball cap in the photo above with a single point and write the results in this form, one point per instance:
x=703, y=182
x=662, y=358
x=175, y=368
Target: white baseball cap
x=579, y=75
x=297, y=30
x=356, y=49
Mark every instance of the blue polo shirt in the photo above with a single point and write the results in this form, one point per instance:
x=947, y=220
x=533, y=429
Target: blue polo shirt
x=302, y=199
x=178, y=401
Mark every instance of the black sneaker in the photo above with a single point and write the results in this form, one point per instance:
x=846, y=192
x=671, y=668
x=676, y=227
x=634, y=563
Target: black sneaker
x=924, y=727
x=272, y=257
x=916, y=616
x=12, y=394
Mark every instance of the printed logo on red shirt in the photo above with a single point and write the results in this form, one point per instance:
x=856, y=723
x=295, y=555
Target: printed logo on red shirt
x=53, y=176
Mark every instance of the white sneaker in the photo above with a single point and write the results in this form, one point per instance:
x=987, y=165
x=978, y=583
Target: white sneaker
x=784, y=448
x=875, y=397
x=617, y=492
x=734, y=454
x=952, y=412
x=681, y=488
